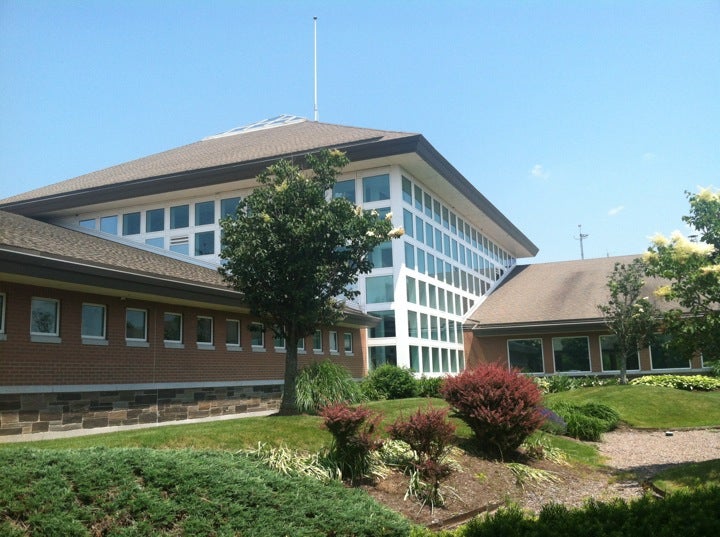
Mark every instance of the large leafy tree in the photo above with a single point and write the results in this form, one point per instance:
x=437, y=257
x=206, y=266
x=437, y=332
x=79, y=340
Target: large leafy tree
x=295, y=254
x=693, y=268
x=632, y=318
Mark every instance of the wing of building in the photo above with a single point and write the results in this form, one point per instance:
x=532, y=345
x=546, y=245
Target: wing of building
x=111, y=309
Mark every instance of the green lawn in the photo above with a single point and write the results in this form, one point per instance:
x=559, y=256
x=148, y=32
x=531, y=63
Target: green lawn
x=689, y=476
x=651, y=407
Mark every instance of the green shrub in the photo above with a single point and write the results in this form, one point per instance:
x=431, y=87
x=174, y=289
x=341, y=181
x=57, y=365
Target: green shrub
x=390, y=382
x=564, y=383
x=323, y=383
x=501, y=406
x=586, y=421
x=429, y=386
x=680, y=382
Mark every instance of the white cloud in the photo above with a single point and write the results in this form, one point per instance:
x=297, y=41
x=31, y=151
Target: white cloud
x=615, y=210
x=539, y=172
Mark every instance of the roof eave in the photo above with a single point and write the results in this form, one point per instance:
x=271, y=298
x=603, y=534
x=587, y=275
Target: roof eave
x=539, y=327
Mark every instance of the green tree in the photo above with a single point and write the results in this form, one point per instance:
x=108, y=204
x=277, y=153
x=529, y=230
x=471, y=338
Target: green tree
x=693, y=268
x=633, y=319
x=295, y=254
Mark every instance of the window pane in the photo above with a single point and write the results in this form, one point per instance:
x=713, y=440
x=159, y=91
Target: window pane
x=158, y=242
x=131, y=224
x=426, y=360
x=412, y=324
x=436, y=360
x=135, y=324
x=424, y=331
x=422, y=293
x=445, y=361
x=44, y=317
x=179, y=216
x=382, y=355
x=204, y=330
x=257, y=335
x=345, y=189
x=662, y=357
x=431, y=265
x=418, y=198
x=386, y=328
x=205, y=243
x=317, y=340
x=333, y=339
x=571, y=354
x=420, y=261
x=173, y=327
x=154, y=220
x=419, y=229
x=408, y=223
x=109, y=224
x=88, y=224
x=409, y=256
x=414, y=359
x=381, y=255
x=411, y=290
x=429, y=235
x=611, y=355
x=427, y=204
x=228, y=207
x=204, y=213
x=376, y=188
x=526, y=355
x=93, y=321
x=180, y=246
x=232, y=332
x=407, y=190
x=347, y=342
x=379, y=289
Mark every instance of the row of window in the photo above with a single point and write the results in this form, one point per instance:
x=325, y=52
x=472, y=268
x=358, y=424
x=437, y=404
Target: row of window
x=572, y=354
x=160, y=219
x=45, y=323
x=374, y=188
x=424, y=326
x=430, y=360
x=435, y=297
x=434, y=210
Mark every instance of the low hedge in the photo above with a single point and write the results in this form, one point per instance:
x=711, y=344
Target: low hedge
x=680, y=382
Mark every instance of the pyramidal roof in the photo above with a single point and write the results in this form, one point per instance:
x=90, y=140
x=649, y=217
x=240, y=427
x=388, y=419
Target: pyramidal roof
x=261, y=142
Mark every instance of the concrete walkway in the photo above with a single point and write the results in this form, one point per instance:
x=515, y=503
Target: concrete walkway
x=52, y=435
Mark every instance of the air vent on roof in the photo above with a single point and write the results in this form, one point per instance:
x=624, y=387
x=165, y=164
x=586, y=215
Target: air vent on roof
x=277, y=121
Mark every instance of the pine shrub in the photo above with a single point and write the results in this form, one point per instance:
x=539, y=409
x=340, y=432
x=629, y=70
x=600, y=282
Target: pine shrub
x=500, y=406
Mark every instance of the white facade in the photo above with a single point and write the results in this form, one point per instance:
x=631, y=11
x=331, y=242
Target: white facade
x=423, y=285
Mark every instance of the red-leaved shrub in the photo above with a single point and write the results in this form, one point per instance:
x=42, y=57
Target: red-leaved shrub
x=354, y=438
x=428, y=433
x=501, y=406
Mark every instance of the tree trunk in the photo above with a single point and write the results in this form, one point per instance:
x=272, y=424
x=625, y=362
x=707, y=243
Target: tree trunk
x=623, y=370
x=288, y=405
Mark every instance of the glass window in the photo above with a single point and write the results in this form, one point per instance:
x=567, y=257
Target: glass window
x=414, y=359
x=419, y=229
x=386, y=328
x=109, y=224
x=45, y=317
x=180, y=245
x=204, y=213
x=441, y=299
x=426, y=359
x=381, y=256
x=407, y=190
x=422, y=293
x=158, y=242
x=436, y=360
x=408, y=223
x=411, y=290
x=232, y=332
x=427, y=204
x=376, y=188
x=413, y=324
x=205, y=243
x=205, y=330
x=301, y=344
x=257, y=335
x=453, y=223
x=461, y=360
x=420, y=261
x=131, y=224
x=571, y=354
x=317, y=340
x=445, y=361
x=154, y=220
x=418, y=198
x=432, y=296
x=526, y=355
x=431, y=265
x=451, y=303
x=179, y=216
x=347, y=343
x=409, y=256
x=88, y=224
x=453, y=361
x=379, y=289
x=228, y=207
x=2, y=313
x=611, y=355
x=424, y=330
x=93, y=321
x=445, y=218
x=663, y=357
x=438, y=240
x=429, y=235
x=333, y=340
x=278, y=342
x=344, y=189
x=446, y=244
x=443, y=329
x=452, y=332
x=433, y=327
x=172, y=327
x=382, y=355
x=135, y=324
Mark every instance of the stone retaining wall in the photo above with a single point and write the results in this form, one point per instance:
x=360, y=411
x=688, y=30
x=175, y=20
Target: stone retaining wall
x=65, y=411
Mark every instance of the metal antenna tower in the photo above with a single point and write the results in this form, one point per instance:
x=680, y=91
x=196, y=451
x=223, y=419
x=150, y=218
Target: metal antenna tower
x=317, y=116
x=580, y=238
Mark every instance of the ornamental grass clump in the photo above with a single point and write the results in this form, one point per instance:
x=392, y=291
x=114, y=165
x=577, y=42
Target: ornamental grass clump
x=354, y=431
x=323, y=383
x=501, y=406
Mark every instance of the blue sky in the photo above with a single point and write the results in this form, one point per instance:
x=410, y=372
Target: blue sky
x=600, y=113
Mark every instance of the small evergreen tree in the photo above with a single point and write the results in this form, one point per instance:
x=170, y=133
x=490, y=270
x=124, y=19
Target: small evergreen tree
x=631, y=318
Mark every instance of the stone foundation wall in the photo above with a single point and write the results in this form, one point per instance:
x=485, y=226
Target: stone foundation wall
x=65, y=411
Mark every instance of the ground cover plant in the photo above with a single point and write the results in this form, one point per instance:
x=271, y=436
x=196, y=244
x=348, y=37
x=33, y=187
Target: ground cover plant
x=680, y=382
x=169, y=492
x=586, y=421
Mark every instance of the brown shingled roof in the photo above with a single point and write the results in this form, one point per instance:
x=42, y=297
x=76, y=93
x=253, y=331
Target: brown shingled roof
x=564, y=292
x=265, y=144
